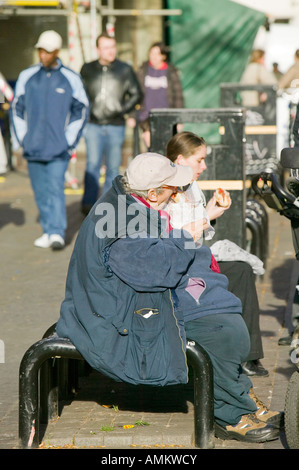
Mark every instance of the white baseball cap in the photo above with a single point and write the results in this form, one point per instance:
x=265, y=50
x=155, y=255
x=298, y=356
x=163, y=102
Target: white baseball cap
x=49, y=40
x=152, y=170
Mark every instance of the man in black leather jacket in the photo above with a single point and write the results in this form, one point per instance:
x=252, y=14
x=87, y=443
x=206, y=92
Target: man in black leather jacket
x=113, y=91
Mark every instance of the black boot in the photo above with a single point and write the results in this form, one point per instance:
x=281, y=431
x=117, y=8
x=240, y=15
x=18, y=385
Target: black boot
x=254, y=368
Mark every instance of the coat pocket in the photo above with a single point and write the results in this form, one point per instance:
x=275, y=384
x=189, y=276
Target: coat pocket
x=146, y=354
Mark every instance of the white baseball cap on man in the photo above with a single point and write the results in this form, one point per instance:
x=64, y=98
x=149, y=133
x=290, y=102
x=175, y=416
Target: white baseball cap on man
x=152, y=170
x=49, y=40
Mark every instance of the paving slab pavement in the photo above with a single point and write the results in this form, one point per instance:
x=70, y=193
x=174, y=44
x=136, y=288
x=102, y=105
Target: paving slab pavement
x=32, y=289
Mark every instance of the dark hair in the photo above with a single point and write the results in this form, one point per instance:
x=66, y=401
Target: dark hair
x=104, y=35
x=163, y=48
x=183, y=143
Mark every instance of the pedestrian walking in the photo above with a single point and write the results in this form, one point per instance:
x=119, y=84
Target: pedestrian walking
x=113, y=91
x=161, y=87
x=48, y=113
x=6, y=89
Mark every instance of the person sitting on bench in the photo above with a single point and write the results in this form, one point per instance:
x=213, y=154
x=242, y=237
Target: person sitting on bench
x=134, y=272
x=188, y=149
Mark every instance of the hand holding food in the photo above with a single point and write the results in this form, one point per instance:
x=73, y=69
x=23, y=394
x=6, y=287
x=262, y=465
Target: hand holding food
x=222, y=197
x=214, y=209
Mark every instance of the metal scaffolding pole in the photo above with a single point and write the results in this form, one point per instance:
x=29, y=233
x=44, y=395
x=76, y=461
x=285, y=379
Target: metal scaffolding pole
x=94, y=28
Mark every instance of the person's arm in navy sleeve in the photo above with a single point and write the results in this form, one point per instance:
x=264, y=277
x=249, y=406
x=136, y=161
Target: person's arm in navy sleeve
x=148, y=264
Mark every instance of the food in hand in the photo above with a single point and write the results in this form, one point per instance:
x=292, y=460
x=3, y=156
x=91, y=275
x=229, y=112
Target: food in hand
x=222, y=197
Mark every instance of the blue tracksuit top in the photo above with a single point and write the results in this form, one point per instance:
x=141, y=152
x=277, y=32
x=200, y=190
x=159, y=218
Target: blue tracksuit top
x=48, y=112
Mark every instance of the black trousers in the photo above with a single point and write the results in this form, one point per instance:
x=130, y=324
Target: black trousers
x=242, y=284
x=226, y=339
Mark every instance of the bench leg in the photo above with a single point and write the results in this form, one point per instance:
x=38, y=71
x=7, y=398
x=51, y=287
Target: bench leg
x=30, y=365
x=255, y=230
x=204, y=427
x=48, y=389
x=51, y=347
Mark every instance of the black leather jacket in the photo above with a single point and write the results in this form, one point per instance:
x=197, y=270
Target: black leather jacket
x=113, y=91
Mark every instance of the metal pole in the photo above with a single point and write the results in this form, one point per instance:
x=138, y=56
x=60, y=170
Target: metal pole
x=30, y=365
x=93, y=28
x=204, y=431
x=134, y=12
x=110, y=26
x=71, y=37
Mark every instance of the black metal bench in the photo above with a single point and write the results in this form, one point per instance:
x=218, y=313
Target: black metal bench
x=39, y=387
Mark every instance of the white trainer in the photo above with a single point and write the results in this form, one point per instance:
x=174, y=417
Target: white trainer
x=43, y=241
x=56, y=242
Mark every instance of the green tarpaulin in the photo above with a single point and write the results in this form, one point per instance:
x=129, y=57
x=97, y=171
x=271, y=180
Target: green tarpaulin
x=210, y=44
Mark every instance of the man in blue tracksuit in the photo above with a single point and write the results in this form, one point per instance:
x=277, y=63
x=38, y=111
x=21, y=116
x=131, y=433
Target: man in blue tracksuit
x=48, y=113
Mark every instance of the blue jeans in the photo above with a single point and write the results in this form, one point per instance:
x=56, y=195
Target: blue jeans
x=106, y=140
x=47, y=180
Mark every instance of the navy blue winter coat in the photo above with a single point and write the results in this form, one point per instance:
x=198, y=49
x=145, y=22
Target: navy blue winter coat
x=126, y=330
